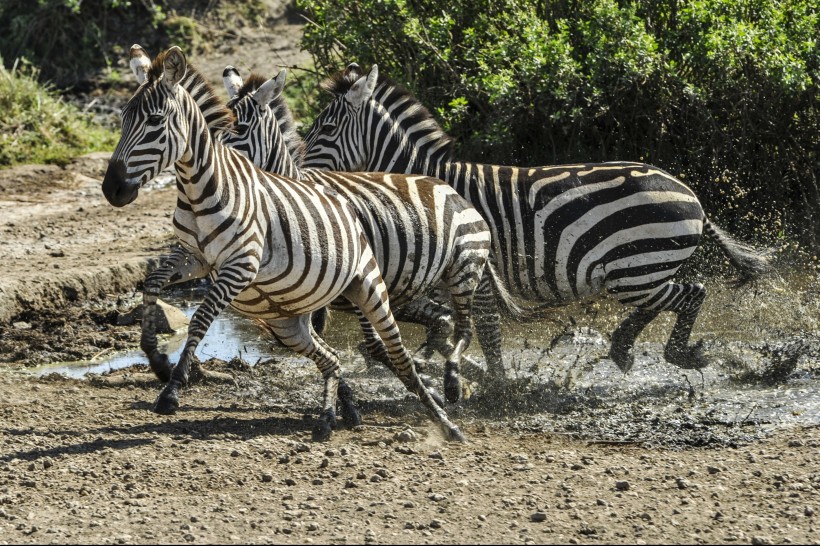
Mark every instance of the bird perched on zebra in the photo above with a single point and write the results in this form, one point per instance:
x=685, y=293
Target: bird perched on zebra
x=560, y=233
x=275, y=248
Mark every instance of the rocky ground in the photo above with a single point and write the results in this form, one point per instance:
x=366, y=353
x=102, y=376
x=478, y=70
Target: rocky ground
x=86, y=461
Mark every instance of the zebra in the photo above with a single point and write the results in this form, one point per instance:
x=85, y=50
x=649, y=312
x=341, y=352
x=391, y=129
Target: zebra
x=268, y=136
x=421, y=231
x=560, y=233
x=276, y=248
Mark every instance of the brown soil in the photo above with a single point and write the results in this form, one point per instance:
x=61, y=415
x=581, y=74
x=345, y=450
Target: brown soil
x=87, y=462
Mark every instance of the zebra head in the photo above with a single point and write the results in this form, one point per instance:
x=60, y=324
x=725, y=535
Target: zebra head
x=336, y=140
x=154, y=131
x=257, y=133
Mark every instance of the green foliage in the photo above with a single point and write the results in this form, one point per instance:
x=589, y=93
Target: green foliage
x=722, y=92
x=37, y=127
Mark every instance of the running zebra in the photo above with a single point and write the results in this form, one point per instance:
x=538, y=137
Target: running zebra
x=422, y=232
x=559, y=233
x=267, y=134
x=275, y=248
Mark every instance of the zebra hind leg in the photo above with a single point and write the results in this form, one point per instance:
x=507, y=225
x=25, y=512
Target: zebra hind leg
x=687, y=306
x=295, y=333
x=369, y=294
x=624, y=336
x=347, y=402
x=376, y=350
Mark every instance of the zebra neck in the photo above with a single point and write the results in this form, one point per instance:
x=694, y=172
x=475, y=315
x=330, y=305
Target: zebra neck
x=199, y=168
x=279, y=161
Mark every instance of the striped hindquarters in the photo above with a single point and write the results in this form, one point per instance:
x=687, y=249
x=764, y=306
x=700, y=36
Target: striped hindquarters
x=568, y=231
x=416, y=226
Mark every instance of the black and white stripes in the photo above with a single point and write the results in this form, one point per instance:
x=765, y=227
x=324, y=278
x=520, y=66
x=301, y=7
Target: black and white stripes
x=276, y=248
x=559, y=233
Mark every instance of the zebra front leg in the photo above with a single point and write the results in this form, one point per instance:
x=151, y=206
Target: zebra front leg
x=230, y=282
x=369, y=294
x=295, y=333
x=687, y=306
x=180, y=266
x=378, y=352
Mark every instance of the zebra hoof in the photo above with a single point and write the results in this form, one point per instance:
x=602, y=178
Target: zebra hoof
x=624, y=359
x=324, y=427
x=350, y=414
x=347, y=406
x=690, y=358
x=161, y=366
x=168, y=401
x=455, y=435
x=452, y=387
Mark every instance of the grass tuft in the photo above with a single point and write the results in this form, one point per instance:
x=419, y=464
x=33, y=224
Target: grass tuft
x=37, y=126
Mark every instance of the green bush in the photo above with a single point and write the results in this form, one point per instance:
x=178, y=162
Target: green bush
x=721, y=92
x=36, y=126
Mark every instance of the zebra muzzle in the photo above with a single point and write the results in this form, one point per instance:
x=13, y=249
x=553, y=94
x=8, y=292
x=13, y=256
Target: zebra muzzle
x=117, y=189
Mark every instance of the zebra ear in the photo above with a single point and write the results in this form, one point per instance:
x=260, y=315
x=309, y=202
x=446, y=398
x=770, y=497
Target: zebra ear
x=232, y=80
x=271, y=89
x=363, y=89
x=140, y=62
x=175, y=66
x=353, y=70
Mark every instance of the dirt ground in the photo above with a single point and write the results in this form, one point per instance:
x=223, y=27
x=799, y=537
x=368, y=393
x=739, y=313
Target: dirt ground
x=86, y=461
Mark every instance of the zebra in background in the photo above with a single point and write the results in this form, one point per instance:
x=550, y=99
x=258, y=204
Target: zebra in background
x=267, y=134
x=276, y=248
x=560, y=233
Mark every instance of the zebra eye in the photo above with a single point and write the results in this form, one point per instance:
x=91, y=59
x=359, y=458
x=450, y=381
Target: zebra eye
x=241, y=127
x=154, y=119
x=327, y=128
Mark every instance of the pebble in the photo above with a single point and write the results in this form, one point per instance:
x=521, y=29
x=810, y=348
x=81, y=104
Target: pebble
x=406, y=436
x=682, y=483
x=622, y=485
x=538, y=517
x=761, y=540
x=266, y=477
x=808, y=511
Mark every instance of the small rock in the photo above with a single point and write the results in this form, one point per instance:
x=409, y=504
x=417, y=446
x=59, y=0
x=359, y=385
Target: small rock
x=267, y=477
x=808, y=511
x=538, y=517
x=290, y=481
x=406, y=436
x=436, y=455
x=436, y=497
x=317, y=481
x=682, y=483
x=761, y=540
x=21, y=325
x=435, y=524
x=622, y=485
x=712, y=469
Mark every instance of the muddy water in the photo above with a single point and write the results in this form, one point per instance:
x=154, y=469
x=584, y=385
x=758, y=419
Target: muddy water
x=762, y=343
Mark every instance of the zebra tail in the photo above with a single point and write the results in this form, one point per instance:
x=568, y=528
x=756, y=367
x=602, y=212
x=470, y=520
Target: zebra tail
x=750, y=262
x=511, y=307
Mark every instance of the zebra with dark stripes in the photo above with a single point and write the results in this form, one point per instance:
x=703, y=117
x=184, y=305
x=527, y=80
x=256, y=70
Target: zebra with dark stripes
x=276, y=248
x=559, y=233
x=422, y=232
x=266, y=134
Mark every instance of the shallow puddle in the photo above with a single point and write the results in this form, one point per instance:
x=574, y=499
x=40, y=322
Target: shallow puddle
x=764, y=370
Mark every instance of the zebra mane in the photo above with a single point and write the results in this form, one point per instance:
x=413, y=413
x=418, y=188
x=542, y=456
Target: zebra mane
x=218, y=116
x=388, y=92
x=283, y=115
